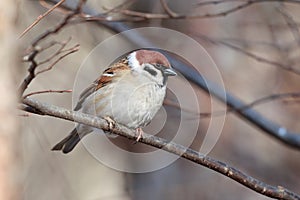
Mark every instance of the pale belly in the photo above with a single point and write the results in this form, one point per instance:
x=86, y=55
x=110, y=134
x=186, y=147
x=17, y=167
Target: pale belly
x=130, y=105
x=138, y=105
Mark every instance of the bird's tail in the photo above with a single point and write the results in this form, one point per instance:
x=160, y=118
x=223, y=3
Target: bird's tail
x=68, y=143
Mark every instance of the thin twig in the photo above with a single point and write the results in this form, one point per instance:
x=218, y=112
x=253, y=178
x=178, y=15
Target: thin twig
x=291, y=24
x=74, y=49
x=45, y=47
x=46, y=91
x=57, y=28
x=59, y=51
x=187, y=153
x=31, y=57
x=60, y=9
x=254, y=56
x=40, y=17
x=142, y=15
x=168, y=10
x=120, y=6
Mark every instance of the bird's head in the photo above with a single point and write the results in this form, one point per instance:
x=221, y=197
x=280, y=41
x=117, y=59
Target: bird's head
x=152, y=65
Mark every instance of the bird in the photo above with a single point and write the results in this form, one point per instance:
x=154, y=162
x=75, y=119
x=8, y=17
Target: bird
x=129, y=92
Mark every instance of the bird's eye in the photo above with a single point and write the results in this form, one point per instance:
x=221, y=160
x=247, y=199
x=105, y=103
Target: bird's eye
x=150, y=71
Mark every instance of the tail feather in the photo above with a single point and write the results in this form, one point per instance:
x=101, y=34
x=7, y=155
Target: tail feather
x=68, y=143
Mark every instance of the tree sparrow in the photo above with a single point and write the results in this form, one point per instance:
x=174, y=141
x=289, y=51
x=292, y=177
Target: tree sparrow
x=130, y=92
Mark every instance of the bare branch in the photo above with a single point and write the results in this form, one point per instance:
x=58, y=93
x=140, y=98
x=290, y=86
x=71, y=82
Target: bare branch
x=47, y=91
x=31, y=72
x=40, y=17
x=168, y=9
x=285, y=97
x=283, y=66
x=32, y=55
x=169, y=14
x=172, y=15
x=46, y=4
x=58, y=51
x=33, y=64
x=187, y=153
x=72, y=50
x=120, y=6
x=274, y=97
x=291, y=24
x=57, y=28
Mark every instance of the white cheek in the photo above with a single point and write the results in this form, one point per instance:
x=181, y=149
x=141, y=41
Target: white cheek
x=133, y=62
x=135, y=71
x=160, y=79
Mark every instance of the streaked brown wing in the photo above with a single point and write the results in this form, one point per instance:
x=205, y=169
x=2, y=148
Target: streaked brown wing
x=107, y=76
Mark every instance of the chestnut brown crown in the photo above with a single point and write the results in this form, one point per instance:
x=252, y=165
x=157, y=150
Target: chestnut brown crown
x=151, y=57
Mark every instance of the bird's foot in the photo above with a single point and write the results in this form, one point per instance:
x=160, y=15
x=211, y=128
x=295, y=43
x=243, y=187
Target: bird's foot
x=139, y=132
x=111, y=123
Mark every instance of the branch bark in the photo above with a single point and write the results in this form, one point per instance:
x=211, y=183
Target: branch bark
x=187, y=153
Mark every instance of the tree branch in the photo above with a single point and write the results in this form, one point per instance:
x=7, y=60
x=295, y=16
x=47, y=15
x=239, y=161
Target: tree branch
x=281, y=97
x=36, y=50
x=31, y=71
x=177, y=149
x=40, y=17
x=46, y=91
x=282, y=66
x=171, y=15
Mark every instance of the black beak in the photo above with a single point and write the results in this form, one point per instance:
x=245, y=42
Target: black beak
x=169, y=71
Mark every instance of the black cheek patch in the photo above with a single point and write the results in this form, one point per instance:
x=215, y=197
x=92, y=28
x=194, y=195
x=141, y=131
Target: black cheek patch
x=150, y=71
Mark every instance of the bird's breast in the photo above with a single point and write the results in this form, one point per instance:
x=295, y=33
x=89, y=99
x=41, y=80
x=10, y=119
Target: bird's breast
x=132, y=103
x=135, y=105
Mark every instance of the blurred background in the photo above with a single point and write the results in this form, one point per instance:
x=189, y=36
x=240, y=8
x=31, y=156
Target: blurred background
x=250, y=45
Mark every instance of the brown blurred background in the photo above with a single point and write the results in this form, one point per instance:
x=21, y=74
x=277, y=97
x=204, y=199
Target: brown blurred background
x=260, y=29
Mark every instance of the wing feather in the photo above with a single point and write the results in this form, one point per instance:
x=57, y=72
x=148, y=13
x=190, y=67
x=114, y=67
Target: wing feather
x=107, y=76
